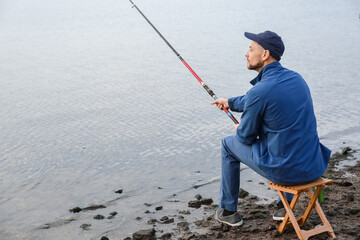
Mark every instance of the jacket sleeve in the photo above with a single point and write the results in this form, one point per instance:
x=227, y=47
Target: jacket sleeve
x=251, y=119
x=236, y=104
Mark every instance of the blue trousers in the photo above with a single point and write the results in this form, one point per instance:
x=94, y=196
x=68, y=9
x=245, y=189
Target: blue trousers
x=233, y=152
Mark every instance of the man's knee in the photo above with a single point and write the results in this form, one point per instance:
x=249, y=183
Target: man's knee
x=227, y=143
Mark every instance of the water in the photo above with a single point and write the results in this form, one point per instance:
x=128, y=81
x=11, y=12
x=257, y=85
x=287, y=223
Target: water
x=93, y=101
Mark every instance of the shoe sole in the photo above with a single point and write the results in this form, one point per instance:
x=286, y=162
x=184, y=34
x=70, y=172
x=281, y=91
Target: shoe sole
x=230, y=224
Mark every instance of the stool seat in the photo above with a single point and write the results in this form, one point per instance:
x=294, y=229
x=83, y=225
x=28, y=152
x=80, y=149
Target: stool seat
x=297, y=223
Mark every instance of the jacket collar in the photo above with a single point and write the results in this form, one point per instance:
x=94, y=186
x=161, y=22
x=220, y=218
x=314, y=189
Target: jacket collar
x=267, y=67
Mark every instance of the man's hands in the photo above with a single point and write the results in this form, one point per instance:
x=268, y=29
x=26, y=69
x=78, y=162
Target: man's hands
x=221, y=103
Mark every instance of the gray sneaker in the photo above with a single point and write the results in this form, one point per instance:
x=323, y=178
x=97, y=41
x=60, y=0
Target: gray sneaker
x=233, y=220
x=280, y=213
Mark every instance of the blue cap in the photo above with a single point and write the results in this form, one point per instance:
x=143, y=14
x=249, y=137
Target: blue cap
x=269, y=41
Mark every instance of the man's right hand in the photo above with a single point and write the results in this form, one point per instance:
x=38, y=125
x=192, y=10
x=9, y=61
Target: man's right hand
x=221, y=103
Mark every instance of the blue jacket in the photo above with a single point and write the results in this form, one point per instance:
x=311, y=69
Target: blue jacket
x=278, y=120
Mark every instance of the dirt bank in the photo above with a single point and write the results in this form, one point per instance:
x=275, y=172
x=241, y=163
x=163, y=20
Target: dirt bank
x=341, y=206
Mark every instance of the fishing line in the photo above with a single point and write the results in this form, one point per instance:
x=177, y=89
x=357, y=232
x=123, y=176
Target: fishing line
x=211, y=93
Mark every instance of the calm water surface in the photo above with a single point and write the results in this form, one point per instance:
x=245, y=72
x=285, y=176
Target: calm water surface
x=93, y=101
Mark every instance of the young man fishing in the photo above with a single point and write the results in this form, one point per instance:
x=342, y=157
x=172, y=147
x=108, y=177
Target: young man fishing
x=277, y=135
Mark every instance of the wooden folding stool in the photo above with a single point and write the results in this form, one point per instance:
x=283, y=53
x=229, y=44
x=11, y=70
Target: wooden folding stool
x=297, y=223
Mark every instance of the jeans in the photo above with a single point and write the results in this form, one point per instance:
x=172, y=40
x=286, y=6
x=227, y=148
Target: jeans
x=232, y=153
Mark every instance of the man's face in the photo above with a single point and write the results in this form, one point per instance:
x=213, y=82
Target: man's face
x=255, y=57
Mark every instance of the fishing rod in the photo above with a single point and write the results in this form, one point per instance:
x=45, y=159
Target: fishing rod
x=211, y=93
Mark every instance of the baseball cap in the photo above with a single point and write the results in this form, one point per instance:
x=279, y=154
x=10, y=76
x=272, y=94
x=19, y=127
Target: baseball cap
x=269, y=41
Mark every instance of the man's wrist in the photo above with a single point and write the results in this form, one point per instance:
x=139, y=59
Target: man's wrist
x=230, y=104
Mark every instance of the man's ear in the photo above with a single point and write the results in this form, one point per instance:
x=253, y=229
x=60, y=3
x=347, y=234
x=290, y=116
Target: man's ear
x=266, y=55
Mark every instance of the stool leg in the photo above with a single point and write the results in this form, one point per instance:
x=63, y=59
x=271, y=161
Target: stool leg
x=313, y=200
x=289, y=214
x=323, y=218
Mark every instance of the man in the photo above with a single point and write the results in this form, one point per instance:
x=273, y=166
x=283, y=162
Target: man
x=277, y=135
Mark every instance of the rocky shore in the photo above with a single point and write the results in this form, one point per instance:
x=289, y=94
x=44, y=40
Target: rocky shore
x=341, y=206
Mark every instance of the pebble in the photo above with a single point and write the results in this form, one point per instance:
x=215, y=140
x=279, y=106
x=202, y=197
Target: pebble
x=159, y=208
x=354, y=211
x=166, y=236
x=206, y=201
x=119, y=191
x=85, y=226
x=99, y=217
x=170, y=220
x=343, y=183
x=94, y=207
x=187, y=212
x=152, y=221
x=198, y=196
x=148, y=234
x=184, y=226
x=194, y=204
x=104, y=238
x=225, y=228
x=75, y=210
x=112, y=215
x=346, y=150
x=243, y=193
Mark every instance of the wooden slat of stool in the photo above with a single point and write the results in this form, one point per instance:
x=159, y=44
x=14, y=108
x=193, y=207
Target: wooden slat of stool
x=297, y=223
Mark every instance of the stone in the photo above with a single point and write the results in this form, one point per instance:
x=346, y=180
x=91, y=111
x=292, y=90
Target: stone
x=346, y=150
x=152, y=221
x=94, y=207
x=119, y=191
x=187, y=212
x=184, y=226
x=198, y=196
x=159, y=208
x=112, y=215
x=75, y=210
x=166, y=236
x=225, y=228
x=354, y=211
x=243, y=193
x=147, y=234
x=167, y=221
x=194, y=204
x=85, y=226
x=99, y=217
x=206, y=201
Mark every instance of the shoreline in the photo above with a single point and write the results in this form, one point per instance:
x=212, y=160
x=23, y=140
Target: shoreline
x=190, y=214
x=341, y=207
